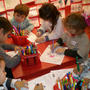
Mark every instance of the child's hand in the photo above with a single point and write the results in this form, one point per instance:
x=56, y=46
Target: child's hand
x=21, y=84
x=60, y=50
x=86, y=81
x=76, y=71
x=40, y=40
x=18, y=49
x=38, y=34
x=55, y=45
x=39, y=87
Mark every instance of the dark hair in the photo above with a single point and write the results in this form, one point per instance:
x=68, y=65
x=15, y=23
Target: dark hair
x=22, y=9
x=49, y=12
x=75, y=21
x=6, y=25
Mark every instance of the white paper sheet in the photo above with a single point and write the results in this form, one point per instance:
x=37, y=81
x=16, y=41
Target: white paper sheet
x=50, y=57
x=12, y=53
x=46, y=80
x=32, y=37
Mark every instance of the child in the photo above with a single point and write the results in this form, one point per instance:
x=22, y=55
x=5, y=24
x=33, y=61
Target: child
x=19, y=19
x=8, y=82
x=51, y=21
x=75, y=38
x=84, y=73
x=5, y=30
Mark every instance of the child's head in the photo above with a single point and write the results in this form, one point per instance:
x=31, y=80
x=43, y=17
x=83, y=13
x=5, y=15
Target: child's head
x=2, y=70
x=5, y=29
x=21, y=11
x=50, y=13
x=75, y=24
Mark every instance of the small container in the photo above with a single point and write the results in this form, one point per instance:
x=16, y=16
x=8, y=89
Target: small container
x=30, y=60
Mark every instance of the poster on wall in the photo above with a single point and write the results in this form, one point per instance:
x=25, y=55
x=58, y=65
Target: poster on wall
x=41, y=1
x=59, y=4
x=76, y=7
x=67, y=2
x=62, y=13
x=10, y=4
x=73, y=1
x=86, y=1
x=33, y=12
x=27, y=1
x=86, y=9
x=10, y=15
x=34, y=21
x=1, y=6
x=3, y=15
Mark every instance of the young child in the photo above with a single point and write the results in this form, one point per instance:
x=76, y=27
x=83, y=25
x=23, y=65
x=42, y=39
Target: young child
x=5, y=30
x=19, y=19
x=51, y=22
x=84, y=73
x=75, y=38
x=8, y=82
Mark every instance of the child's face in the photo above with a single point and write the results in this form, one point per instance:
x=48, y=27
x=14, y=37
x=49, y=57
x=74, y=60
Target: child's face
x=2, y=72
x=3, y=37
x=19, y=18
x=74, y=32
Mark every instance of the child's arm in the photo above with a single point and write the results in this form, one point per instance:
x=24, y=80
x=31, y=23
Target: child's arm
x=7, y=46
x=67, y=52
x=15, y=83
x=42, y=29
x=10, y=61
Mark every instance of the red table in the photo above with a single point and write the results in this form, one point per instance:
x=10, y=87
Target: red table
x=35, y=71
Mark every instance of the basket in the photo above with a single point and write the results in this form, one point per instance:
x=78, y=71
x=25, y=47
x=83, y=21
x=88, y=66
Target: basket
x=30, y=60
